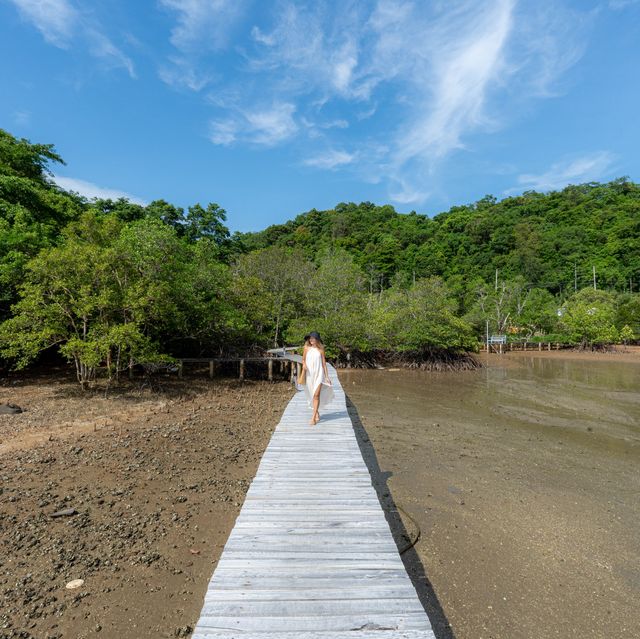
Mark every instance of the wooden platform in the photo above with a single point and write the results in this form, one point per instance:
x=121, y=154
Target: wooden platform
x=311, y=555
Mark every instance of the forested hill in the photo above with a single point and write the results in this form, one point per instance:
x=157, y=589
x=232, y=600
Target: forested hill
x=550, y=240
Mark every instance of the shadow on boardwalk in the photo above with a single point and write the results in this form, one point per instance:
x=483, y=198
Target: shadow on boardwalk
x=410, y=558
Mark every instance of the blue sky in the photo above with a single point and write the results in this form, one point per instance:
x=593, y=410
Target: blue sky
x=273, y=108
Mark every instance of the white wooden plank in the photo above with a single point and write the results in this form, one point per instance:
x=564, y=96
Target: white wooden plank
x=332, y=634
x=311, y=555
x=412, y=620
x=376, y=592
x=309, y=607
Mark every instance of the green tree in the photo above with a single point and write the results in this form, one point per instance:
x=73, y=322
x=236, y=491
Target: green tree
x=33, y=210
x=99, y=296
x=335, y=305
x=589, y=317
x=271, y=284
x=209, y=222
x=628, y=312
x=421, y=318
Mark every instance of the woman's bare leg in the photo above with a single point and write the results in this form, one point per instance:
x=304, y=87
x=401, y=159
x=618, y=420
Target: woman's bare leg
x=316, y=405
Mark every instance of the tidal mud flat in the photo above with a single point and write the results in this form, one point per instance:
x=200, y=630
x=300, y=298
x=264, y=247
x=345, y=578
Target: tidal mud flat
x=155, y=482
x=523, y=478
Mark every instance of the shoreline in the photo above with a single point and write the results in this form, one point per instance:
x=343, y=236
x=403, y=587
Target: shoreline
x=621, y=354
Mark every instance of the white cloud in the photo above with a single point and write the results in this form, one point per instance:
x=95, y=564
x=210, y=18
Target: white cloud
x=180, y=73
x=330, y=159
x=425, y=77
x=273, y=125
x=55, y=19
x=60, y=22
x=262, y=126
x=548, y=39
x=203, y=23
x=261, y=37
x=408, y=194
x=102, y=47
x=201, y=26
x=576, y=170
x=466, y=57
x=92, y=191
x=223, y=132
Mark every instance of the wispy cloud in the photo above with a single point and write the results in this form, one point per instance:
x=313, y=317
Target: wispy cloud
x=61, y=22
x=407, y=194
x=180, y=73
x=93, y=191
x=465, y=51
x=574, y=170
x=414, y=79
x=262, y=126
x=55, y=19
x=203, y=23
x=330, y=159
x=201, y=26
x=103, y=47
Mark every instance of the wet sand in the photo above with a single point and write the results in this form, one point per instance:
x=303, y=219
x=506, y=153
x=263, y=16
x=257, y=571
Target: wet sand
x=523, y=478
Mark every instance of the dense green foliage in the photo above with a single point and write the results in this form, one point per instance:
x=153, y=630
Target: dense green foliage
x=113, y=283
x=549, y=241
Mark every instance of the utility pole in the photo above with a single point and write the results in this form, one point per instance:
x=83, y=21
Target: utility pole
x=595, y=288
x=487, y=337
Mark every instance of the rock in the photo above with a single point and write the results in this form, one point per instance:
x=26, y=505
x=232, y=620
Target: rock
x=10, y=409
x=75, y=583
x=67, y=512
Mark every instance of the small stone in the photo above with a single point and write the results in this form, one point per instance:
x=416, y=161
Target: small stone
x=67, y=512
x=75, y=583
x=10, y=409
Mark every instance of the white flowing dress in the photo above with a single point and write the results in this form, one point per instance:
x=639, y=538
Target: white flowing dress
x=315, y=376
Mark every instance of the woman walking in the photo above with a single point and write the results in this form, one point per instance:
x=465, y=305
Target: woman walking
x=317, y=386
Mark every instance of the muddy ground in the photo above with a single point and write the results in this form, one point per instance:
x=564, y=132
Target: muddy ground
x=156, y=480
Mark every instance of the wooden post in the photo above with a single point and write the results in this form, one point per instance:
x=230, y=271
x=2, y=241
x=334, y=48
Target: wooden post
x=180, y=365
x=525, y=347
x=549, y=346
x=211, y=368
x=270, y=370
x=241, y=370
x=539, y=346
x=291, y=374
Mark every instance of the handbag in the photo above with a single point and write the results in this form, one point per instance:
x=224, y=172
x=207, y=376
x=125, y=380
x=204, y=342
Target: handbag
x=302, y=376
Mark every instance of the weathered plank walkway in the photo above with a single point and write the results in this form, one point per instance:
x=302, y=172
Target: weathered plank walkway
x=311, y=555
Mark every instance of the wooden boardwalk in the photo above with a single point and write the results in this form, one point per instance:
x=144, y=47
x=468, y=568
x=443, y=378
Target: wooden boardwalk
x=311, y=555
